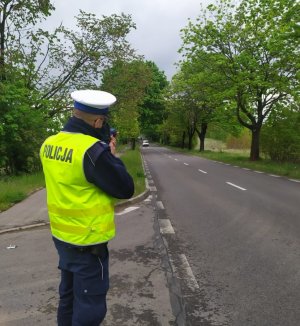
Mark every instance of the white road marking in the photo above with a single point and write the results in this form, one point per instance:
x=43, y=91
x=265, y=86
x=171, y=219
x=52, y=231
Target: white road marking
x=202, y=171
x=246, y=169
x=258, y=172
x=294, y=180
x=185, y=163
x=191, y=280
x=274, y=175
x=176, y=159
x=160, y=205
x=148, y=198
x=233, y=185
x=165, y=226
x=127, y=210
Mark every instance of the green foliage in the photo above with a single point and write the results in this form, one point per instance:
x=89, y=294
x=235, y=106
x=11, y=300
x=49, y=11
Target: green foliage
x=55, y=63
x=80, y=56
x=281, y=136
x=128, y=81
x=38, y=70
x=152, y=109
x=22, y=128
x=16, y=16
x=199, y=90
x=255, y=51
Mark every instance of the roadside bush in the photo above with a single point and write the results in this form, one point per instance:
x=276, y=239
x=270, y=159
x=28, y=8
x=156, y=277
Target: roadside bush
x=280, y=138
x=23, y=128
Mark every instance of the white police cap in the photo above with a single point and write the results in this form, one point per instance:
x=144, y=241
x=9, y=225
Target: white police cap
x=93, y=101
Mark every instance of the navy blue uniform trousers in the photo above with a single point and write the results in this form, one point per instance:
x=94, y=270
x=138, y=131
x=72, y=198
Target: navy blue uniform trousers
x=83, y=288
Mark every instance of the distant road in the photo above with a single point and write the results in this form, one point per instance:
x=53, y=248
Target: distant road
x=233, y=237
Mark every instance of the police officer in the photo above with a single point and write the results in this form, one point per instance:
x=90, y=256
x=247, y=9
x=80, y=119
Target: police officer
x=82, y=177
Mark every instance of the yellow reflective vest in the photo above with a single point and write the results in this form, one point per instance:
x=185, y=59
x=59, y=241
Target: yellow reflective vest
x=79, y=212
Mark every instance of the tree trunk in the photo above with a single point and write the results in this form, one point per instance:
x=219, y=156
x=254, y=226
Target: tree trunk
x=2, y=43
x=254, y=153
x=133, y=144
x=191, y=132
x=202, y=139
x=190, y=141
x=202, y=135
x=183, y=140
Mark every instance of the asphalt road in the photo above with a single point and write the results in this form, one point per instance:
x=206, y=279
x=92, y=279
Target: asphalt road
x=29, y=277
x=232, y=237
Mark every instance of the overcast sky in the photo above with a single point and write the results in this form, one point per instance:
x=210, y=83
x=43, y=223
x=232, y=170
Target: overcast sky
x=158, y=23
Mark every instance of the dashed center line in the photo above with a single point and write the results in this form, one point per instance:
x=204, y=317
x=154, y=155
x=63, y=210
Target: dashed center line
x=185, y=163
x=202, y=171
x=233, y=185
x=176, y=159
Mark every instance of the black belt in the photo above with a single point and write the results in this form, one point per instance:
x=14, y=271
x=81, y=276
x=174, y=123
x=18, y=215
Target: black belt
x=98, y=249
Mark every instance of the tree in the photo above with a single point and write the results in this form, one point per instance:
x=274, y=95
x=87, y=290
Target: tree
x=15, y=15
x=205, y=85
x=198, y=85
x=256, y=53
x=128, y=82
x=152, y=109
x=55, y=63
x=38, y=70
x=22, y=129
x=82, y=55
x=183, y=110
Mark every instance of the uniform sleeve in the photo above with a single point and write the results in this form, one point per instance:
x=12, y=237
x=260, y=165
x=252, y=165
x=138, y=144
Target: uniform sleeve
x=107, y=172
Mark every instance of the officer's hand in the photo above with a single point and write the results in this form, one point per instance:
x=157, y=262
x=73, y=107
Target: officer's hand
x=112, y=145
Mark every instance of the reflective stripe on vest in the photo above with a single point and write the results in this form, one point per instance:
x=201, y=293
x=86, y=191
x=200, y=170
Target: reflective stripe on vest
x=103, y=209
x=79, y=230
x=79, y=212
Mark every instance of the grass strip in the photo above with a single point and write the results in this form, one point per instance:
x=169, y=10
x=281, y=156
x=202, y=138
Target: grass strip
x=133, y=162
x=14, y=189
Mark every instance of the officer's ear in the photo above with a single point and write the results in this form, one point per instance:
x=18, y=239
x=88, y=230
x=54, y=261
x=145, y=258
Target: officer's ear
x=98, y=122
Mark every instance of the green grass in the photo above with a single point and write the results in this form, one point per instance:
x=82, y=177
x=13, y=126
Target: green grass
x=15, y=189
x=133, y=161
